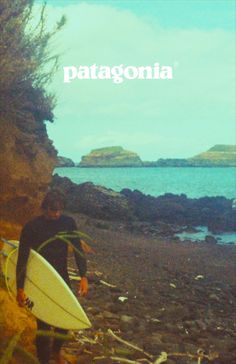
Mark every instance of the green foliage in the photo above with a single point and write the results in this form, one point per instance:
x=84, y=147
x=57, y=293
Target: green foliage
x=24, y=354
x=107, y=150
x=66, y=237
x=25, y=63
x=6, y=357
x=223, y=148
x=13, y=347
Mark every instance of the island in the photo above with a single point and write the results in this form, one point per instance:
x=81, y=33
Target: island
x=218, y=156
x=111, y=157
x=64, y=162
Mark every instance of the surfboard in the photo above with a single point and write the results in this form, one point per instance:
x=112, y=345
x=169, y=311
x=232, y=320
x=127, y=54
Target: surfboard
x=49, y=298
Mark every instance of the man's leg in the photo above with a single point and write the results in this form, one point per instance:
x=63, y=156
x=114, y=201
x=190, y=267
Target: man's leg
x=57, y=345
x=43, y=344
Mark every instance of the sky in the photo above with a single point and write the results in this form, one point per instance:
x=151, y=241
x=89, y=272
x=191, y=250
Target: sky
x=175, y=118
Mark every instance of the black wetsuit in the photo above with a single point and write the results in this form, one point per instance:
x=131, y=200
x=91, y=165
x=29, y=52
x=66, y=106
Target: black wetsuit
x=37, y=231
x=34, y=233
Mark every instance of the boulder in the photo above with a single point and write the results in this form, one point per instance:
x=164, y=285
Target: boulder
x=163, y=214
x=210, y=239
x=92, y=200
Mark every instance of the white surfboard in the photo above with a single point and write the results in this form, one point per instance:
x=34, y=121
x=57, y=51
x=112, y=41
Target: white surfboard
x=48, y=296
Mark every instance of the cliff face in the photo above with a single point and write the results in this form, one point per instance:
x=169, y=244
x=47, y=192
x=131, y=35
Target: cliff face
x=64, y=162
x=27, y=158
x=110, y=157
x=219, y=155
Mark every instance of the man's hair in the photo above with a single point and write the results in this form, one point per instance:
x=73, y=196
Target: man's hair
x=54, y=200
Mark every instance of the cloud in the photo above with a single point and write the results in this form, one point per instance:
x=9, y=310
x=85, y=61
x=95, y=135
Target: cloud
x=201, y=96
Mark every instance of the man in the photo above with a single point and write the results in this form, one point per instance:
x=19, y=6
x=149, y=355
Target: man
x=34, y=233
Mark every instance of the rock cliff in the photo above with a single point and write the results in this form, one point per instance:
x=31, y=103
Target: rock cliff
x=219, y=155
x=111, y=157
x=92, y=200
x=27, y=159
x=64, y=162
x=133, y=206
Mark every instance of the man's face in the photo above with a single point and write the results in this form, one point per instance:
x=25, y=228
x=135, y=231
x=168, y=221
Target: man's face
x=53, y=214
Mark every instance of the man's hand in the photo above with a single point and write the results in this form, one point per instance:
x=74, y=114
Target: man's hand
x=83, y=289
x=21, y=297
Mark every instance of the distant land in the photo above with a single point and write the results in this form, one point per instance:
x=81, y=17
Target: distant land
x=218, y=156
x=64, y=162
x=111, y=157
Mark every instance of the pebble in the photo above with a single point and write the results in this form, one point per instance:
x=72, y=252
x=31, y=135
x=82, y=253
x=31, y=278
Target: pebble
x=110, y=315
x=127, y=319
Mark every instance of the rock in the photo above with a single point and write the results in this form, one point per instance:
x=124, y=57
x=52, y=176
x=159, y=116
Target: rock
x=149, y=215
x=171, y=361
x=127, y=319
x=172, y=328
x=153, y=347
x=190, y=348
x=27, y=159
x=92, y=200
x=141, y=327
x=115, y=308
x=64, y=162
x=156, y=338
x=201, y=324
x=210, y=239
x=110, y=315
x=214, y=297
x=175, y=312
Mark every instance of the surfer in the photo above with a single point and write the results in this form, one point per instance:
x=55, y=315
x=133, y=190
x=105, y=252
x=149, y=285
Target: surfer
x=34, y=233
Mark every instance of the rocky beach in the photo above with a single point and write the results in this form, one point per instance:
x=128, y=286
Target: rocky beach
x=158, y=294
x=153, y=298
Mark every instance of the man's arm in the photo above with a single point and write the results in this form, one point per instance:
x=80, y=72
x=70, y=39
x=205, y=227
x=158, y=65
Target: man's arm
x=82, y=266
x=23, y=255
x=80, y=258
x=81, y=261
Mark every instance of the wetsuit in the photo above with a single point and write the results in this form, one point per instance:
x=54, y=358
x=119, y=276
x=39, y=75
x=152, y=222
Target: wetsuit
x=34, y=233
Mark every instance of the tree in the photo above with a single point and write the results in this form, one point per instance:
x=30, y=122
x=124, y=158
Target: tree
x=24, y=57
x=27, y=156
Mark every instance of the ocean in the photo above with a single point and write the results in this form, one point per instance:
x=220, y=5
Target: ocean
x=193, y=182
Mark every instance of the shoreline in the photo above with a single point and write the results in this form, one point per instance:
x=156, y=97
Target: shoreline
x=141, y=167
x=165, y=214
x=192, y=182
x=178, y=297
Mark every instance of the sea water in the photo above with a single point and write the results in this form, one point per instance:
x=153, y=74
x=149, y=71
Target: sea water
x=195, y=182
x=202, y=231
